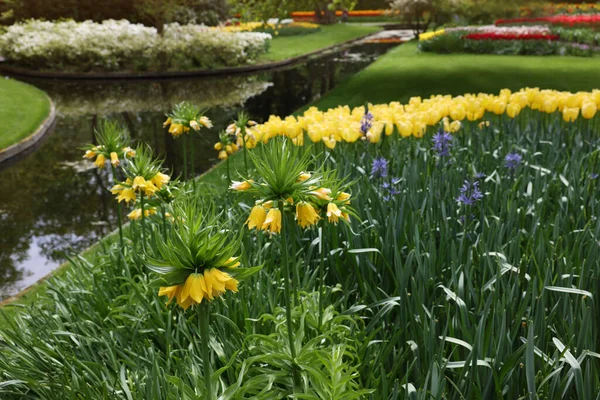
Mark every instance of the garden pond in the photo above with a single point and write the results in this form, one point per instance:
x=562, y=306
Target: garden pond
x=53, y=203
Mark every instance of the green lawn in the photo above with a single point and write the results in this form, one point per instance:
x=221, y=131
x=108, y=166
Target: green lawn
x=22, y=110
x=292, y=46
x=404, y=72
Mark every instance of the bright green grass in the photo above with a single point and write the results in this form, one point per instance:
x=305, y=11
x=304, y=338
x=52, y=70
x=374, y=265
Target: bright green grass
x=404, y=72
x=329, y=35
x=22, y=110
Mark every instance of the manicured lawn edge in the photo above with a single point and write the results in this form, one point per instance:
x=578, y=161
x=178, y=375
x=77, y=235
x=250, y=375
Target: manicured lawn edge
x=262, y=66
x=29, y=141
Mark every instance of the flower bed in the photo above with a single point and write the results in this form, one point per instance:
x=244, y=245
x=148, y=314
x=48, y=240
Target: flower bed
x=467, y=248
x=122, y=46
x=281, y=29
x=524, y=40
x=562, y=20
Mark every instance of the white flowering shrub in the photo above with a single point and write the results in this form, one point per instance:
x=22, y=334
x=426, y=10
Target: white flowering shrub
x=121, y=46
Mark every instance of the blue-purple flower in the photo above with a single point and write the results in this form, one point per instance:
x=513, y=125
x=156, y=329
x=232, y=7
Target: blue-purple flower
x=389, y=189
x=469, y=194
x=442, y=143
x=593, y=176
x=513, y=160
x=366, y=122
x=379, y=169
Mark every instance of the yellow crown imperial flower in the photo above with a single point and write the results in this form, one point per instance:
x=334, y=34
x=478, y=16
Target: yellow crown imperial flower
x=160, y=179
x=257, y=217
x=128, y=151
x=114, y=159
x=176, y=129
x=306, y=214
x=343, y=196
x=100, y=161
x=206, y=122
x=197, y=287
x=241, y=186
x=137, y=213
x=89, y=154
x=218, y=146
x=321, y=193
x=333, y=213
x=116, y=189
x=273, y=221
x=195, y=125
x=303, y=176
x=167, y=122
x=139, y=183
x=127, y=194
x=222, y=155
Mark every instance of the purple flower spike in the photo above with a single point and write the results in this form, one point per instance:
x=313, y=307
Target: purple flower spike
x=469, y=194
x=379, y=169
x=366, y=122
x=513, y=160
x=442, y=143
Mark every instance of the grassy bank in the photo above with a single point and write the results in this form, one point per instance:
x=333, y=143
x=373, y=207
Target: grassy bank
x=22, y=110
x=329, y=35
x=404, y=72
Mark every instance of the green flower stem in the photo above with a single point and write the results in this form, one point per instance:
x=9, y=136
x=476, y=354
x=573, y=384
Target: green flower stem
x=204, y=338
x=228, y=172
x=143, y=222
x=184, y=151
x=288, y=294
x=321, y=275
x=243, y=128
x=193, y=171
x=120, y=218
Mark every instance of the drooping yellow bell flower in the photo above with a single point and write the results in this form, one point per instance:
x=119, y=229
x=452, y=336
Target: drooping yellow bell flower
x=128, y=151
x=306, y=214
x=89, y=154
x=176, y=129
x=273, y=221
x=100, y=161
x=206, y=122
x=137, y=213
x=170, y=291
x=333, y=213
x=127, y=194
x=160, y=179
x=114, y=159
x=167, y=122
x=343, y=196
x=195, y=125
x=218, y=146
x=257, y=217
x=321, y=193
x=139, y=183
x=303, y=176
x=241, y=186
x=222, y=155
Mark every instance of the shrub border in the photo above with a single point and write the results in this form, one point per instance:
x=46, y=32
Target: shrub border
x=228, y=71
x=46, y=126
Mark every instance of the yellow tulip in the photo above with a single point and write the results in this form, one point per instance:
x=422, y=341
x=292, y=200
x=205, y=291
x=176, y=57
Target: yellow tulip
x=588, y=110
x=570, y=114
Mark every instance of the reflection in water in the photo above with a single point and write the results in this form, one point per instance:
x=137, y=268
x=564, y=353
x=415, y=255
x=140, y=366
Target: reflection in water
x=52, y=202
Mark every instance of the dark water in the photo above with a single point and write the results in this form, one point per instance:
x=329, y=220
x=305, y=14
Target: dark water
x=53, y=203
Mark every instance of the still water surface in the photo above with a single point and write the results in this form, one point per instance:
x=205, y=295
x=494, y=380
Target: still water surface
x=53, y=203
